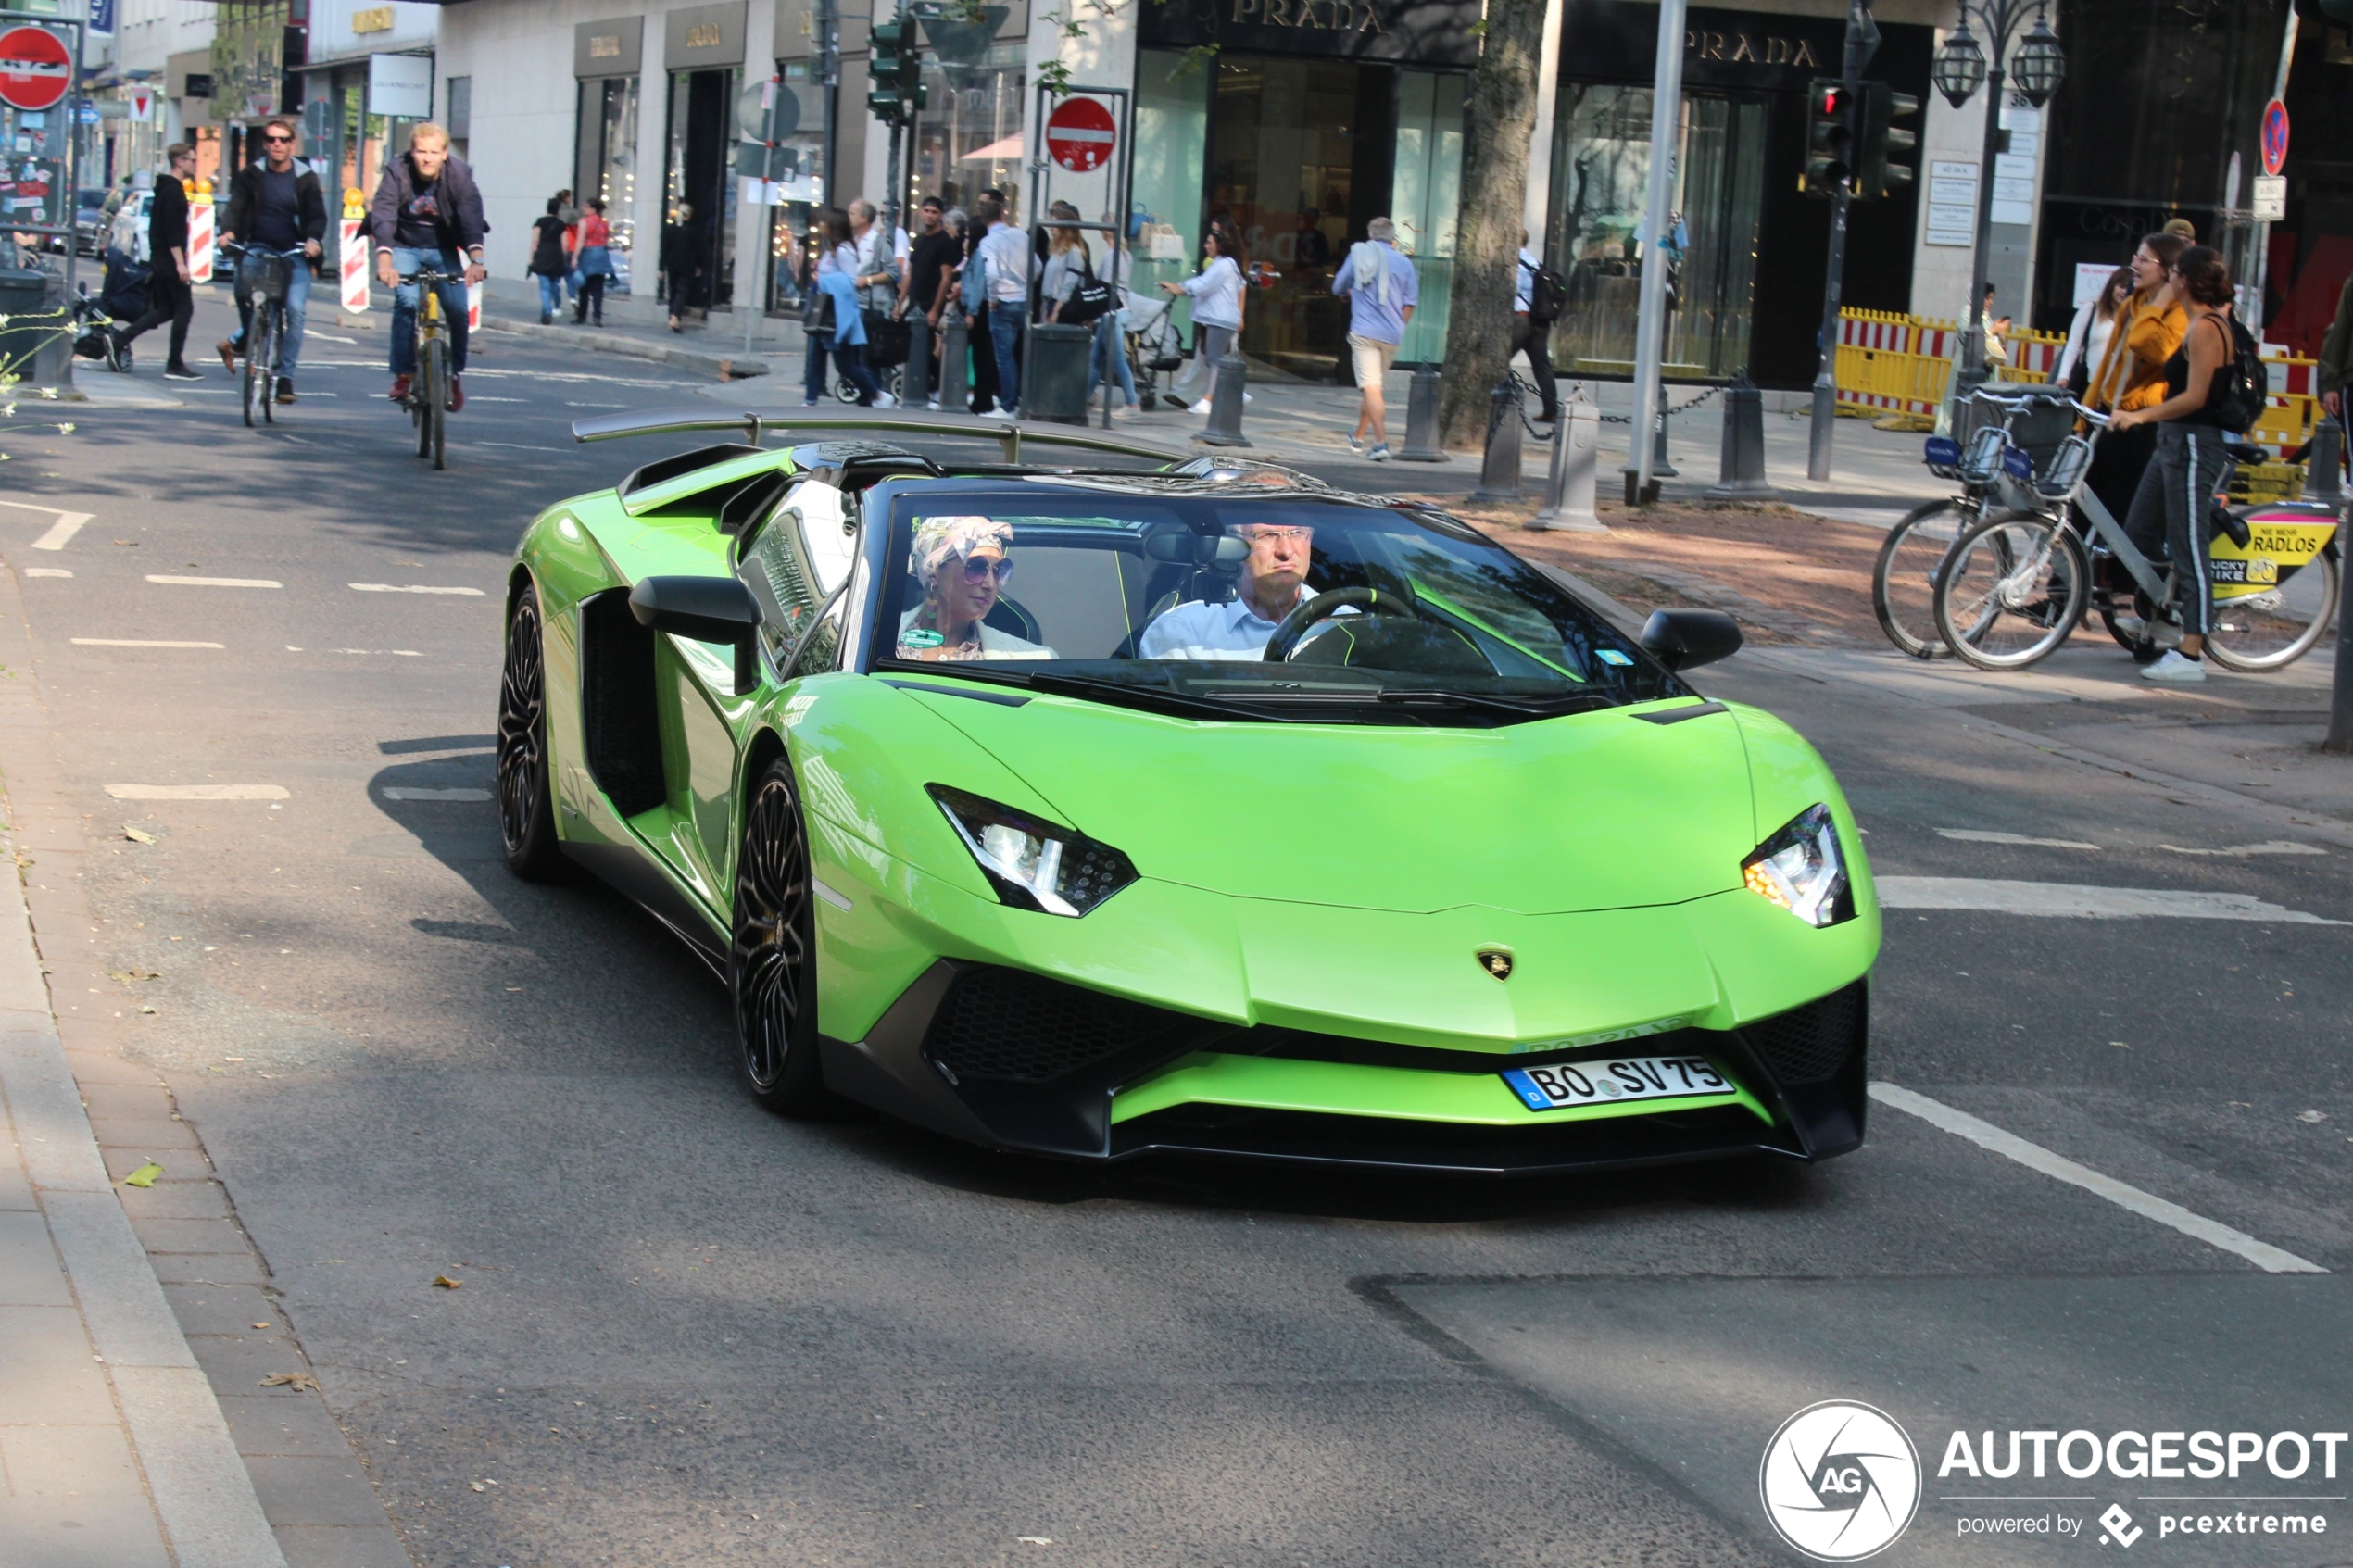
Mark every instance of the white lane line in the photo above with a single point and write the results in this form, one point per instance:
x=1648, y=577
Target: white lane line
x=136, y=642
x=411, y=588
x=412, y=792
x=2241, y=851
x=1980, y=835
x=46, y=571
x=478, y=397
x=171, y=582
x=60, y=533
x=197, y=792
x=329, y=337
x=2081, y=903
x=1961, y=1123
x=522, y=446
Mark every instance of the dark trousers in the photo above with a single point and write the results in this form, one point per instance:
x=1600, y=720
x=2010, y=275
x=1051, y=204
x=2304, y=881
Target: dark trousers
x=2171, y=513
x=169, y=299
x=590, y=300
x=849, y=358
x=1531, y=337
x=983, y=355
x=2117, y=463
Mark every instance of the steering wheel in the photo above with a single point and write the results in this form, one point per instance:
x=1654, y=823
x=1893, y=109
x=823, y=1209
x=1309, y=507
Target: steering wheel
x=1321, y=608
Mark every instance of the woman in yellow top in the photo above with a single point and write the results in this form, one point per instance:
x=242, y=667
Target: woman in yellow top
x=2131, y=374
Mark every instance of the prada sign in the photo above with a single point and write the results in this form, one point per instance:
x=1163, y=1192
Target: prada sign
x=1430, y=32
x=1741, y=46
x=609, y=48
x=1618, y=41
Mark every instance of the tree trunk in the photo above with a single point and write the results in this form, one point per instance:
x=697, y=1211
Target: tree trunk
x=1503, y=121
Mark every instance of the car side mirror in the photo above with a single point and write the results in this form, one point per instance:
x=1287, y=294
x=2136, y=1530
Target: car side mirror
x=1685, y=639
x=704, y=610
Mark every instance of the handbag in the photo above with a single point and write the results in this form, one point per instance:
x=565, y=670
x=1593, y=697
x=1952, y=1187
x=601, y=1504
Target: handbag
x=886, y=338
x=1088, y=301
x=817, y=310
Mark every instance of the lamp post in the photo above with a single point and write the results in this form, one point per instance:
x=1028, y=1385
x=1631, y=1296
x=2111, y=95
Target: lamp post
x=1961, y=66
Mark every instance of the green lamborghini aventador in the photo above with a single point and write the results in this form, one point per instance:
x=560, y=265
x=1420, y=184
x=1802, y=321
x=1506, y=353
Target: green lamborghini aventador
x=1126, y=803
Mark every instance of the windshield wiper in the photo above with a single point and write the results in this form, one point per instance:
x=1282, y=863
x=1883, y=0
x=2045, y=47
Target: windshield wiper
x=1535, y=708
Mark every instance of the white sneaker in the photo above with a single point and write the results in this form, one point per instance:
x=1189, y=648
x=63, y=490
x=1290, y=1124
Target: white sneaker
x=1125, y=411
x=1380, y=454
x=1356, y=443
x=2173, y=666
x=1202, y=408
x=884, y=400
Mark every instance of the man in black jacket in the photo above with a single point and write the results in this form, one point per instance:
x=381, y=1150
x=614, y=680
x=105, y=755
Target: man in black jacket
x=427, y=210
x=276, y=206
x=170, y=297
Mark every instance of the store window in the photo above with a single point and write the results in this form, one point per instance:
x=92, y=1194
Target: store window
x=458, y=118
x=1172, y=138
x=605, y=164
x=1601, y=173
x=699, y=189
x=968, y=139
x=1426, y=199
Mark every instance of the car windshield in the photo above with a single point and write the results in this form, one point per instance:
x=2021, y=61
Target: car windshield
x=1246, y=607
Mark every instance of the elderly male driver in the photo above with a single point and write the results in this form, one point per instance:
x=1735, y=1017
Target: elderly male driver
x=1274, y=583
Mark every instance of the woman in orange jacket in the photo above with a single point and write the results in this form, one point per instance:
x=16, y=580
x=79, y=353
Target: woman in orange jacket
x=2132, y=373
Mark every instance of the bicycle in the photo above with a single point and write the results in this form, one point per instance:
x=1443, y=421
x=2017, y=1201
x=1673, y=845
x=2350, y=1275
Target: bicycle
x=2016, y=585
x=267, y=329
x=428, y=400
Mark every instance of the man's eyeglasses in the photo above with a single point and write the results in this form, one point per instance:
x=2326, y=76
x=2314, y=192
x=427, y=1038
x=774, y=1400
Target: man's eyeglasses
x=1271, y=533
x=977, y=569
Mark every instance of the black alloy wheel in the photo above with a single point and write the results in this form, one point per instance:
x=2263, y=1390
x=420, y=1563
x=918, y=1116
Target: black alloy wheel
x=526, y=802
x=772, y=959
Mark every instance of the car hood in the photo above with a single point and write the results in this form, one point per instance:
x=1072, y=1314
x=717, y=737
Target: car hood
x=1589, y=811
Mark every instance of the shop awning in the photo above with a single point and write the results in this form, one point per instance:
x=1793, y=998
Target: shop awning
x=1006, y=151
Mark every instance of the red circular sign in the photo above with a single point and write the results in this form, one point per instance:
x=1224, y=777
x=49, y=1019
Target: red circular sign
x=2274, y=136
x=36, y=70
x=1080, y=135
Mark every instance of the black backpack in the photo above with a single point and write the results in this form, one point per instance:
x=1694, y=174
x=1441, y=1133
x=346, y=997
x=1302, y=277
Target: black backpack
x=2242, y=387
x=1547, y=294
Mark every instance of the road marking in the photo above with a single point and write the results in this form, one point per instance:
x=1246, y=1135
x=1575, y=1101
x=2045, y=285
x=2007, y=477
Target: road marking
x=171, y=582
x=411, y=588
x=61, y=532
x=46, y=571
x=521, y=446
x=1961, y=1123
x=196, y=792
x=1994, y=896
x=2241, y=851
x=1978, y=835
x=329, y=337
x=412, y=792
x=479, y=397
x=136, y=642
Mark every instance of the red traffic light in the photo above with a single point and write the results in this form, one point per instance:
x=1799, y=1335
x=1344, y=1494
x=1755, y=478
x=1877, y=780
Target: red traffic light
x=1831, y=100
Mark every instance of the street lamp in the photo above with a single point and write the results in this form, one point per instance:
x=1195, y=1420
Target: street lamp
x=1961, y=68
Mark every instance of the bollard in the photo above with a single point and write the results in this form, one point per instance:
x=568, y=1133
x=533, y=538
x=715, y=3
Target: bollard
x=914, y=381
x=1224, y=427
x=1498, y=474
x=1421, y=419
x=2323, y=478
x=1741, y=472
x=1568, y=488
x=1660, y=467
x=955, y=363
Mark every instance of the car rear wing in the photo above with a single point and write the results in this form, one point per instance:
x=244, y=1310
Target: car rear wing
x=1009, y=434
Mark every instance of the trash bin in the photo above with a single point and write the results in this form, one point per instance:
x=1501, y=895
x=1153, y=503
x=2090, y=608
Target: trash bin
x=1053, y=382
x=36, y=339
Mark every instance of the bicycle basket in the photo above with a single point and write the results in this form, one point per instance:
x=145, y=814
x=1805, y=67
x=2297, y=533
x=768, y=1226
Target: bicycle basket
x=2041, y=429
x=1982, y=459
x=2065, y=471
x=272, y=277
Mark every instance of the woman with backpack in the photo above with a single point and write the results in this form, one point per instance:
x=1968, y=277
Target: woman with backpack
x=2210, y=396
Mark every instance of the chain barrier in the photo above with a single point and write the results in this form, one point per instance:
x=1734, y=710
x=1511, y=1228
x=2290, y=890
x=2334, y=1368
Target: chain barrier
x=1672, y=409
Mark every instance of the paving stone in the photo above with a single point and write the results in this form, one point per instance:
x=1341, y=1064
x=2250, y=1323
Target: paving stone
x=177, y=1163
x=80, y=1533
x=330, y=1546
x=190, y=1236
x=313, y=1491
x=156, y=1139
x=48, y=1371
x=207, y=1268
x=127, y=1102
x=237, y=1364
x=176, y=1200
x=93, y=1067
x=29, y=1273
x=222, y=1308
x=52, y=1461
x=267, y=1423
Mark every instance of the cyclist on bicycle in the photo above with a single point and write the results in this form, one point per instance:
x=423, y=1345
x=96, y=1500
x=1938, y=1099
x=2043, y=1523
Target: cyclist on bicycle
x=427, y=210
x=274, y=205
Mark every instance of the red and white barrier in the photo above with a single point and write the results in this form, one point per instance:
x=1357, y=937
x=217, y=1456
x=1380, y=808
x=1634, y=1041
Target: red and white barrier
x=474, y=305
x=354, y=251
x=202, y=241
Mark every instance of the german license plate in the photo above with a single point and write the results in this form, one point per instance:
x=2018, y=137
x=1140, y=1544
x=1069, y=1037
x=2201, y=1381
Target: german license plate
x=1609, y=1083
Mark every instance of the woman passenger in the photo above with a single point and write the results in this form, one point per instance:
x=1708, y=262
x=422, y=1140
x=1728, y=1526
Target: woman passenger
x=961, y=564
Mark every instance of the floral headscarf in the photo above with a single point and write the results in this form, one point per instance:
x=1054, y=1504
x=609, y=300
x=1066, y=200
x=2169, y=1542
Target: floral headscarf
x=936, y=538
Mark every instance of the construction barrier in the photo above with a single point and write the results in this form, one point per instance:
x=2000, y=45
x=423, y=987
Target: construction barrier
x=1897, y=367
x=353, y=253
x=201, y=242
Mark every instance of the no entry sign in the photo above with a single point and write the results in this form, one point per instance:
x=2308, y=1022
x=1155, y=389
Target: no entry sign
x=1080, y=135
x=34, y=67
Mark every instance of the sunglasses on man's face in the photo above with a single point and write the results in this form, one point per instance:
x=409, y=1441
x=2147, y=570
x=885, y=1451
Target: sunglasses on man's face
x=977, y=569
x=274, y=139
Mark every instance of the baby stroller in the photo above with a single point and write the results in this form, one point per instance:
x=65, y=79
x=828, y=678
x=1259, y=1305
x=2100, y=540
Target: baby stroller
x=1155, y=348
x=124, y=299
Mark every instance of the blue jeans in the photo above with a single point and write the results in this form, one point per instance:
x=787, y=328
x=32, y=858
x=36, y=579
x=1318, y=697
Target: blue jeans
x=1004, y=331
x=552, y=293
x=298, y=307
x=849, y=357
x=1109, y=340
x=406, y=297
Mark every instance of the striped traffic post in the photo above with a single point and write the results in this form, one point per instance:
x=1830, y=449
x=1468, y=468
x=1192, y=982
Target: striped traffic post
x=354, y=252
x=201, y=242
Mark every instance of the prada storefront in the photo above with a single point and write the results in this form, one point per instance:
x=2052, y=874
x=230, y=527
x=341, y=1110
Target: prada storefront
x=1309, y=120
x=1747, y=248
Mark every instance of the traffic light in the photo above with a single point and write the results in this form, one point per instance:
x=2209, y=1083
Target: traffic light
x=894, y=74
x=1876, y=176
x=1830, y=139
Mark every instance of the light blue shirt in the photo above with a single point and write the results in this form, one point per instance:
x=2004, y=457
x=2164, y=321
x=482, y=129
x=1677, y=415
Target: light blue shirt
x=1368, y=316
x=1201, y=630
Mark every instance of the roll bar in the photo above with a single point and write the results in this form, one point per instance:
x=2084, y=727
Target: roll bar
x=1008, y=434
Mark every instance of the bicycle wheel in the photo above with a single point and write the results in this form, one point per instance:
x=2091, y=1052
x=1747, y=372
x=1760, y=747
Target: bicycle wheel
x=2275, y=628
x=273, y=325
x=1904, y=582
x=2011, y=591
x=259, y=351
x=421, y=400
x=436, y=431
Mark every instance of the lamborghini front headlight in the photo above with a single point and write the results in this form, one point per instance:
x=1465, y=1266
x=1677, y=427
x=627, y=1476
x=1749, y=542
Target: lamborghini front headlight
x=1032, y=863
x=1801, y=868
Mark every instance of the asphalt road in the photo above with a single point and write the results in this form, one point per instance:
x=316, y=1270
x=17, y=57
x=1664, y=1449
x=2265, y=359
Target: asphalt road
x=692, y=1333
